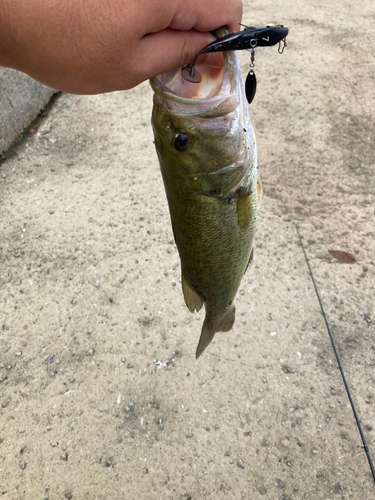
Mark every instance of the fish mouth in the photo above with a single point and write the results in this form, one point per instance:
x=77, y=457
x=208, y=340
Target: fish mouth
x=217, y=94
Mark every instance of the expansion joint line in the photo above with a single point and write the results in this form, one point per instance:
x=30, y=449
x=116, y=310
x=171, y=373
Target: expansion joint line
x=338, y=360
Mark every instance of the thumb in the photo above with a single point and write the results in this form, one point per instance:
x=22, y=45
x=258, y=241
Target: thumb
x=167, y=50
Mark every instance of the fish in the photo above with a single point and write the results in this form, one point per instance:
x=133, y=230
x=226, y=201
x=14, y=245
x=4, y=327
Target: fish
x=207, y=153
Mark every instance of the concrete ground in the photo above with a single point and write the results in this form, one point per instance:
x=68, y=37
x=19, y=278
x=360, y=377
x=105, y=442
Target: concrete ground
x=100, y=395
x=21, y=99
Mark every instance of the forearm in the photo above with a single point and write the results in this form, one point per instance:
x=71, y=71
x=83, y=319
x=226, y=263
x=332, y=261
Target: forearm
x=6, y=43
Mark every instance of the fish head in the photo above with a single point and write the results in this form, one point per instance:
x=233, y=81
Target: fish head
x=203, y=134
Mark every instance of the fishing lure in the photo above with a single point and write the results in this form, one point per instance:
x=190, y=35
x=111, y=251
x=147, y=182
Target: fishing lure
x=248, y=39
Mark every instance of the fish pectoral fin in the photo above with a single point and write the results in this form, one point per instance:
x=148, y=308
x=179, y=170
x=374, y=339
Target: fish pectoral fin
x=193, y=300
x=244, y=206
x=211, y=326
x=259, y=192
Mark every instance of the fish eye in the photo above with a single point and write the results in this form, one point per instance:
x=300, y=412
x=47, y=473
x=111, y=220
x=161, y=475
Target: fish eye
x=181, y=142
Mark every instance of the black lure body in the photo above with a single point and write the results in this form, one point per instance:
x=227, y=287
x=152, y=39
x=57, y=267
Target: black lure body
x=247, y=39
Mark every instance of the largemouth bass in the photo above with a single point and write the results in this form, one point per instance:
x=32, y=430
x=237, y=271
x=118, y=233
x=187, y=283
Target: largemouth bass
x=207, y=153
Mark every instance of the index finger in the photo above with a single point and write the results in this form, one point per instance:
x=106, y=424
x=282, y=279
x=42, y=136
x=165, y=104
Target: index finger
x=207, y=15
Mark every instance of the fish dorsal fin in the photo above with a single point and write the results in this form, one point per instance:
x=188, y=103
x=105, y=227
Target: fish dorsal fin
x=193, y=301
x=259, y=192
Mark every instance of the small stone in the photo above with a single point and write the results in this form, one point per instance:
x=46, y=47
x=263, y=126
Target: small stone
x=368, y=427
x=64, y=456
x=19, y=353
x=23, y=465
x=68, y=495
x=265, y=443
x=279, y=483
x=3, y=377
x=262, y=490
x=227, y=453
x=189, y=435
x=240, y=464
x=52, y=374
x=50, y=359
x=207, y=429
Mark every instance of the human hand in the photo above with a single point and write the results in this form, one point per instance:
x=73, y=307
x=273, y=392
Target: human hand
x=95, y=46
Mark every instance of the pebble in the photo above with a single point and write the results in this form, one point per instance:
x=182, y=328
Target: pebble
x=227, y=453
x=368, y=427
x=50, y=359
x=279, y=483
x=240, y=464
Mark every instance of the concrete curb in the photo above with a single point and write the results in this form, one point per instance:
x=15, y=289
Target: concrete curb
x=21, y=99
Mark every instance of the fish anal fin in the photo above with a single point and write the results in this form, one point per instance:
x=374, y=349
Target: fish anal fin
x=211, y=326
x=250, y=259
x=259, y=192
x=192, y=299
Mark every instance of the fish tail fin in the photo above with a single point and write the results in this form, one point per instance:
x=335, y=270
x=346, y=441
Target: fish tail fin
x=211, y=326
